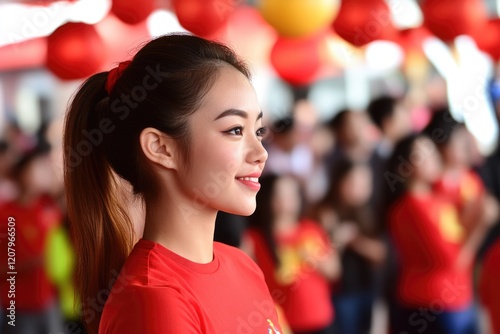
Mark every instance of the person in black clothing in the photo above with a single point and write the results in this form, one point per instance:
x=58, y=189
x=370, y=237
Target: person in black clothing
x=346, y=214
x=393, y=119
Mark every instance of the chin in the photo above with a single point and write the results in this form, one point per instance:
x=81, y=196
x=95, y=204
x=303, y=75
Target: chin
x=241, y=210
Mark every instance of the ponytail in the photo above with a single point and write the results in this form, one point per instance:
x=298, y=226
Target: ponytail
x=101, y=230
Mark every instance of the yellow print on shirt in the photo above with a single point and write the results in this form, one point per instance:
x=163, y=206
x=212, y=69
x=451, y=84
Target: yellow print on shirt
x=295, y=259
x=449, y=225
x=290, y=262
x=469, y=189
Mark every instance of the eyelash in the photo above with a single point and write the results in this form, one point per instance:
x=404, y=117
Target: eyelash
x=261, y=132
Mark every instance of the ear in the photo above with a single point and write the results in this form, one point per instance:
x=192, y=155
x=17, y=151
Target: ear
x=159, y=148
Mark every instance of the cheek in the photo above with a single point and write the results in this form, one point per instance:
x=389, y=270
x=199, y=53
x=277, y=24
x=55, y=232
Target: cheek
x=430, y=170
x=346, y=192
x=213, y=162
x=461, y=151
x=220, y=158
x=40, y=177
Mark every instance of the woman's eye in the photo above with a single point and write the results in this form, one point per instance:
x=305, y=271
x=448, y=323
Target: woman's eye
x=261, y=132
x=237, y=131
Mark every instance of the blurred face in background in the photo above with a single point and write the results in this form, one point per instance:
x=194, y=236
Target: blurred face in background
x=354, y=129
x=425, y=161
x=457, y=152
x=399, y=124
x=356, y=188
x=286, y=197
x=38, y=176
x=322, y=141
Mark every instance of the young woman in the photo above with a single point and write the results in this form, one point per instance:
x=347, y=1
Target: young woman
x=435, y=253
x=345, y=213
x=458, y=181
x=33, y=214
x=181, y=123
x=294, y=254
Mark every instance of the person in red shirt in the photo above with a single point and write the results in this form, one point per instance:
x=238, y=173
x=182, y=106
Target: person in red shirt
x=181, y=123
x=28, y=219
x=458, y=181
x=435, y=252
x=489, y=289
x=295, y=255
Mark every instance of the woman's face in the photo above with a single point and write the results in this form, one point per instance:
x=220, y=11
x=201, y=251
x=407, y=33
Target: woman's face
x=286, y=197
x=226, y=155
x=355, y=128
x=356, y=188
x=38, y=176
x=456, y=152
x=426, y=160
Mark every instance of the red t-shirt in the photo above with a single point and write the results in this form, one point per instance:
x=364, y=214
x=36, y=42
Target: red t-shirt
x=158, y=291
x=33, y=290
x=296, y=285
x=467, y=188
x=428, y=237
x=489, y=287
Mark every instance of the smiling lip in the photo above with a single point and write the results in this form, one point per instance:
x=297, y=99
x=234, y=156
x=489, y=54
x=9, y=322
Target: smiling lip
x=250, y=180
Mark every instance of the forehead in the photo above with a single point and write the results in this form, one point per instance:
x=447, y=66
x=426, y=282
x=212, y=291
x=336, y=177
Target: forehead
x=424, y=145
x=231, y=90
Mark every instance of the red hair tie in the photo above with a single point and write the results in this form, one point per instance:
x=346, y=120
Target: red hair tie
x=114, y=74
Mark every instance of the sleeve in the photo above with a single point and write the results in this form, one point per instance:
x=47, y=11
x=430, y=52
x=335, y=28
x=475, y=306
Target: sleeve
x=148, y=310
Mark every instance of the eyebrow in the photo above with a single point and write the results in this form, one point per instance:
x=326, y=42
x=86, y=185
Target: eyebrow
x=236, y=112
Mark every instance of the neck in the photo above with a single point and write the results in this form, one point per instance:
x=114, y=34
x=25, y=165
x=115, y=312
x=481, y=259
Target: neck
x=389, y=138
x=419, y=187
x=181, y=227
x=26, y=197
x=284, y=223
x=453, y=169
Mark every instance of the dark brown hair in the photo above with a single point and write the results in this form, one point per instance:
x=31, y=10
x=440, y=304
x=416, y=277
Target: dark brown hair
x=162, y=86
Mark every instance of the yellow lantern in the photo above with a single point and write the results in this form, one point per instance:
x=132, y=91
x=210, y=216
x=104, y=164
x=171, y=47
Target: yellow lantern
x=299, y=18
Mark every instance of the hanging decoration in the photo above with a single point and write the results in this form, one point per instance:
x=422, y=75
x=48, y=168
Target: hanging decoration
x=488, y=38
x=203, y=17
x=75, y=51
x=363, y=21
x=297, y=61
x=298, y=18
x=132, y=11
x=448, y=19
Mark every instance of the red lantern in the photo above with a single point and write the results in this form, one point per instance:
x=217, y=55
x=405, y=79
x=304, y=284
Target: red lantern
x=489, y=38
x=249, y=35
x=203, y=17
x=363, y=21
x=448, y=19
x=411, y=40
x=297, y=61
x=75, y=51
x=132, y=11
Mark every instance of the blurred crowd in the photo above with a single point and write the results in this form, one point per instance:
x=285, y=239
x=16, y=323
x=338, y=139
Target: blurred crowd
x=382, y=220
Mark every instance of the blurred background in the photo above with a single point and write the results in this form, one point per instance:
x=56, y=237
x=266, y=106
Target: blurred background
x=383, y=175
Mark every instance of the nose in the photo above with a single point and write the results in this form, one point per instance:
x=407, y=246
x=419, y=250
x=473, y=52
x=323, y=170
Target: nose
x=258, y=154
